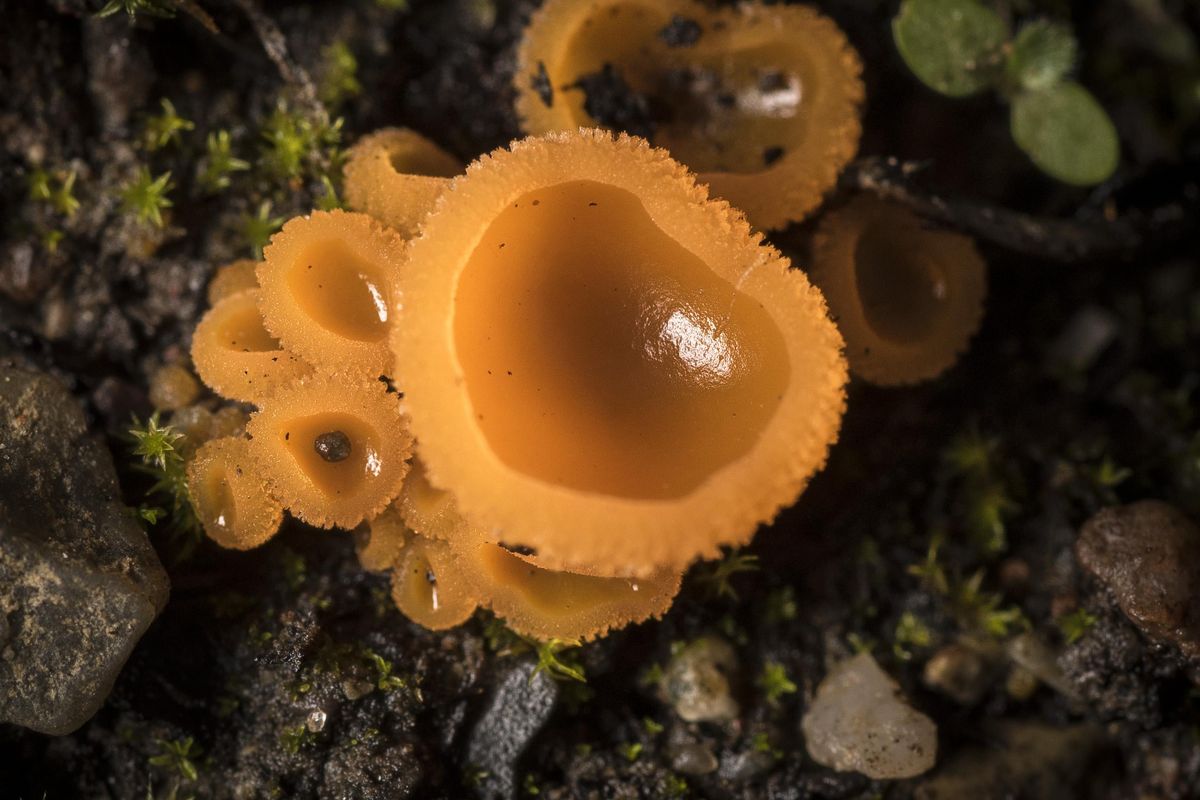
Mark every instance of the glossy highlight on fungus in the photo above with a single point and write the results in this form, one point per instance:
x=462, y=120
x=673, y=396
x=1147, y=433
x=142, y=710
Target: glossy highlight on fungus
x=429, y=587
x=326, y=282
x=577, y=312
x=346, y=482
x=236, y=356
x=224, y=483
x=395, y=175
x=761, y=100
x=907, y=296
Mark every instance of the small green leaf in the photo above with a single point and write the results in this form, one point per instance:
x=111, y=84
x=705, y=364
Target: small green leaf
x=1067, y=133
x=1042, y=55
x=953, y=46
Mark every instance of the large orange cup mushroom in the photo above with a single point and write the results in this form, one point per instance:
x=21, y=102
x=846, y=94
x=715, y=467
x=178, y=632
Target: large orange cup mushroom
x=761, y=100
x=907, y=296
x=607, y=367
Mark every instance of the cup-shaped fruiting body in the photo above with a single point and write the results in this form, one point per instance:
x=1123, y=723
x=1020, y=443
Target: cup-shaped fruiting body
x=334, y=449
x=429, y=587
x=396, y=175
x=236, y=356
x=380, y=542
x=229, y=279
x=762, y=100
x=546, y=604
x=326, y=290
x=606, y=366
x=225, y=485
x=173, y=387
x=432, y=512
x=907, y=296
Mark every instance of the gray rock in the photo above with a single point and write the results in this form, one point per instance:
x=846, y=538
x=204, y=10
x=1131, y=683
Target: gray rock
x=1148, y=554
x=519, y=706
x=860, y=721
x=79, y=581
x=696, y=681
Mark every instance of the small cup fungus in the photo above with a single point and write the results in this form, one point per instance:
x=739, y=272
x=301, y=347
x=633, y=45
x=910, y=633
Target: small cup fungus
x=761, y=100
x=907, y=297
x=225, y=485
x=380, y=542
x=334, y=450
x=236, y=276
x=395, y=175
x=235, y=355
x=428, y=585
x=325, y=290
x=605, y=365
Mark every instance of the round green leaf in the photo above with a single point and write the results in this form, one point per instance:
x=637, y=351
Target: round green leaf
x=1067, y=133
x=1042, y=55
x=953, y=46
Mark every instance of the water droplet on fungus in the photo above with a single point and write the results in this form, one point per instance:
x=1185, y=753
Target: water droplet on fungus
x=907, y=296
x=396, y=175
x=764, y=105
x=628, y=326
x=236, y=356
x=225, y=486
x=332, y=493
x=325, y=290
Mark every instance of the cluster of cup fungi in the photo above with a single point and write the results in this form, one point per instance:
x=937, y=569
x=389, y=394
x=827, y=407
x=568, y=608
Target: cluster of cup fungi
x=549, y=383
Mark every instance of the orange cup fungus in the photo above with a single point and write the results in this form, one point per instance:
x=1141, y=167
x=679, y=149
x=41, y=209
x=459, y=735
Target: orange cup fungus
x=325, y=290
x=236, y=276
x=236, y=356
x=395, y=175
x=225, y=485
x=907, y=297
x=440, y=577
x=335, y=450
x=607, y=373
x=607, y=367
x=762, y=100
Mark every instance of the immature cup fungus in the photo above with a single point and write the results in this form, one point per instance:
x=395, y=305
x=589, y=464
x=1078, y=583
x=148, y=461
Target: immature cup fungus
x=907, y=296
x=429, y=587
x=325, y=290
x=334, y=449
x=604, y=365
x=236, y=356
x=225, y=485
x=761, y=100
x=236, y=276
x=396, y=175
x=380, y=542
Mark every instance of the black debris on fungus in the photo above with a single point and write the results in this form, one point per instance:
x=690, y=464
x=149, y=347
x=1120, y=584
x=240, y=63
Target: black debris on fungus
x=613, y=103
x=333, y=446
x=681, y=32
x=771, y=155
x=540, y=83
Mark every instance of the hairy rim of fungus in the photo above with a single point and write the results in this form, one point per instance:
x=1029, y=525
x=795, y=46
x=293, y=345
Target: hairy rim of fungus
x=396, y=175
x=335, y=449
x=604, y=365
x=236, y=356
x=546, y=604
x=429, y=587
x=225, y=484
x=326, y=289
x=236, y=276
x=380, y=542
x=762, y=100
x=430, y=511
x=907, y=297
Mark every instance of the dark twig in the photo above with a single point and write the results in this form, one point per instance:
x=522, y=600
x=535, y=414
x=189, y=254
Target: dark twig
x=1063, y=240
x=276, y=47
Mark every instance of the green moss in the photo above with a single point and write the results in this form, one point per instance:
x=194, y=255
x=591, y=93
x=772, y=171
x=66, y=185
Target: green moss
x=219, y=163
x=176, y=755
x=164, y=129
x=719, y=578
x=339, y=69
x=146, y=197
x=1076, y=624
x=258, y=228
x=154, y=446
x=775, y=683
